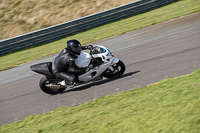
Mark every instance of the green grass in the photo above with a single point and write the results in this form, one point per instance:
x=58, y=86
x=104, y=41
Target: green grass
x=168, y=12
x=172, y=106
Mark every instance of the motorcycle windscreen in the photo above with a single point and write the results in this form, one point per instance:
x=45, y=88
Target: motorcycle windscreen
x=42, y=68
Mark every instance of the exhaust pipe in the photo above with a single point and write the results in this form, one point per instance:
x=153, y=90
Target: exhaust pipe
x=54, y=86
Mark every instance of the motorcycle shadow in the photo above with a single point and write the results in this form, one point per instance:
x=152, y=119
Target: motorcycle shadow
x=89, y=85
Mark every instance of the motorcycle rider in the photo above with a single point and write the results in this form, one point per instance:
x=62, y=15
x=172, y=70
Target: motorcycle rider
x=64, y=67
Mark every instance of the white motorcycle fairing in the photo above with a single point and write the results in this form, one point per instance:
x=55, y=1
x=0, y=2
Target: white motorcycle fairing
x=115, y=60
x=84, y=59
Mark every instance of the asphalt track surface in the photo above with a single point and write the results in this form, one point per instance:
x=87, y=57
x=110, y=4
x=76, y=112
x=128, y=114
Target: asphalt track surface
x=151, y=54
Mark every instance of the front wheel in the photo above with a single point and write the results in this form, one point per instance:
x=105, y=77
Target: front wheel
x=44, y=82
x=119, y=69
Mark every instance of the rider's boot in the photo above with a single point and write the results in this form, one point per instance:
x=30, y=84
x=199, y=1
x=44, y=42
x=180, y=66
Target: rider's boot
x=67, y=84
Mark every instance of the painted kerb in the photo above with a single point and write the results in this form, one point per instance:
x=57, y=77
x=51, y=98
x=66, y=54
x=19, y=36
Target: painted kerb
x=62, y=30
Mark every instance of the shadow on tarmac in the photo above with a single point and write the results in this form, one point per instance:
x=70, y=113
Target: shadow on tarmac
x=86, y=86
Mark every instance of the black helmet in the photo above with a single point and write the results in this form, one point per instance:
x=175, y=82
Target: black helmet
x=74, y=46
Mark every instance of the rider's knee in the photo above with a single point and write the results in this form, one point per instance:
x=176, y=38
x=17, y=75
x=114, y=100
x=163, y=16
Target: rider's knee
x=72, y=79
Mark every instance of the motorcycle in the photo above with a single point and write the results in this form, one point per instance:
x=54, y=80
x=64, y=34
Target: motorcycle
x=104, y=65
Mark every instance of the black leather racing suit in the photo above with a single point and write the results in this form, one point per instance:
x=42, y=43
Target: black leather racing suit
x=62, y=63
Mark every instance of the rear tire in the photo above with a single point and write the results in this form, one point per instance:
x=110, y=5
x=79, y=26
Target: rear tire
x=119, y=69
x=43, y=81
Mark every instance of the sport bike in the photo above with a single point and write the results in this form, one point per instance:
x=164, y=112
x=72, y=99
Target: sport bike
x=104, y=65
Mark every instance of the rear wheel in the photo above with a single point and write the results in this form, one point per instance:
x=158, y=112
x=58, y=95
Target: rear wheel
x=44, y=82
x=119, y=69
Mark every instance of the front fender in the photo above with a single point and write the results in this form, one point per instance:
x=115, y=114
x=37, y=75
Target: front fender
x=115, y=60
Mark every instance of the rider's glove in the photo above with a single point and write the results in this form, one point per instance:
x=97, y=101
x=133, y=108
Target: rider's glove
x=90, y=47
x=89, y=68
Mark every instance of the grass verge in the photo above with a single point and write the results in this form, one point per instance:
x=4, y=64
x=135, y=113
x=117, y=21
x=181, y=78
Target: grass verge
x=170, y=106
x=177, y=9
x=18, y=17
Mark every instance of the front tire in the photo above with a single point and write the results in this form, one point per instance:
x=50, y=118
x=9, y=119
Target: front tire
x=43, y=86
x=119, y=69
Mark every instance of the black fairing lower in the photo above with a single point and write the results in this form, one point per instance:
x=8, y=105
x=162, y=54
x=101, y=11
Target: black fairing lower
x=43, y=68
